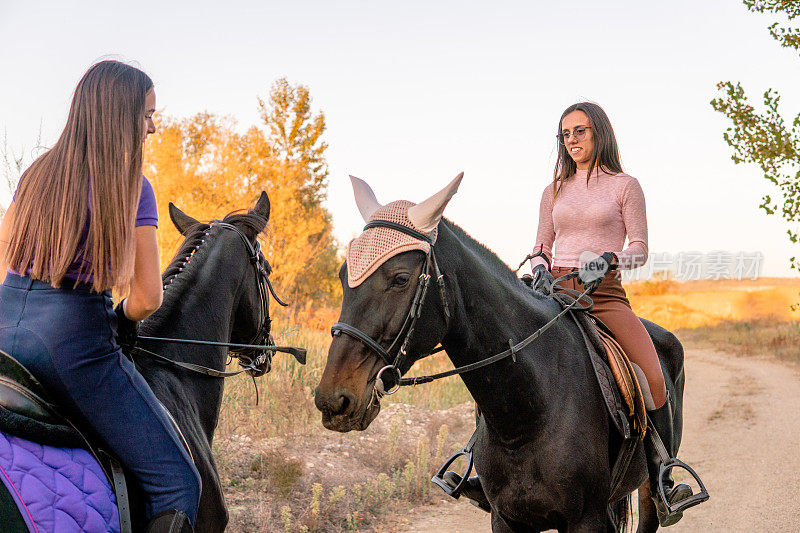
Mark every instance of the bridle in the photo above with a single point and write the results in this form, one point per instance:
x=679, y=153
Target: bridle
x=395, y=355
x=255, y=356
x=250, y=357
x=569, y=299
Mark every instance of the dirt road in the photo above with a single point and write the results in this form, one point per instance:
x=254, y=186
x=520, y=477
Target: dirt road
x=741, y=433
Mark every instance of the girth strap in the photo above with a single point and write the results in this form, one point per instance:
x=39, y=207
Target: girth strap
x=121, y=491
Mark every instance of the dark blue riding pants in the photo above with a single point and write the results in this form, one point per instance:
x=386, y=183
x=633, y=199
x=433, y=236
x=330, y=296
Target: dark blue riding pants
x=65, y=338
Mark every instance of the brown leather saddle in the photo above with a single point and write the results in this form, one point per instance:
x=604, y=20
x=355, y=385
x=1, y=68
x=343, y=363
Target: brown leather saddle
x=627, y=379
x=616, y=376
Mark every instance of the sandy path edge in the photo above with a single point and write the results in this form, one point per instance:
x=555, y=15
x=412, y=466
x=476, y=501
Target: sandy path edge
x=741, y=433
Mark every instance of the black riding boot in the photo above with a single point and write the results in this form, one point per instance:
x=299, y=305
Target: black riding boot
x=662, y=420
x=172, y=521
x=472, y=490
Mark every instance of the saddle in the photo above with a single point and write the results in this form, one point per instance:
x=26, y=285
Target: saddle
x=628, y=378
x=624, y=397
x=625, y=393
x=623, y=384
x=25, y=412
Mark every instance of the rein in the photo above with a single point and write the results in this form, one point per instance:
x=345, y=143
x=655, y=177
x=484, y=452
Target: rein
x=393, y=363
x=513, y=349
x=253, y=356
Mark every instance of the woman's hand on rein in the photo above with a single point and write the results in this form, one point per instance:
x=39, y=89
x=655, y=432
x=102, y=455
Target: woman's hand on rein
x=592, y=272
x=127, y=329
x=542, y=279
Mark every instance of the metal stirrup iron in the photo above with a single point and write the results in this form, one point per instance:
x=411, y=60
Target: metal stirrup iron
x=667, y=465
x=466, y=451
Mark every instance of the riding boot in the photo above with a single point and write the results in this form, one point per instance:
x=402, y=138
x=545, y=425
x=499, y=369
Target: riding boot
x=172, y=521
x=661, y=419
x=472, y=490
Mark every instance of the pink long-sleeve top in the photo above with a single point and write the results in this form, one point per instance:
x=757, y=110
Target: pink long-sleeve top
x=595, y=217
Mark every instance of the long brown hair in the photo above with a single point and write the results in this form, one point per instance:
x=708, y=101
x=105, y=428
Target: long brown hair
x=605, y=155
x=97, y=163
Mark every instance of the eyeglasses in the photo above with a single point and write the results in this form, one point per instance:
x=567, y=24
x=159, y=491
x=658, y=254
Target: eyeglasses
x=579, y=133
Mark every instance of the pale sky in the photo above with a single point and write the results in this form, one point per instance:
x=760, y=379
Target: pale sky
x=416, y=92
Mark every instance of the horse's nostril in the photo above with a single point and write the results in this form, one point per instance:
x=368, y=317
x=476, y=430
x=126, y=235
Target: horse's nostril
x=343, y=403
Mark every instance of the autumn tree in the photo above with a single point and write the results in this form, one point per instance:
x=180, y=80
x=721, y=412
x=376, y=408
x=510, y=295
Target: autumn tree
x=762, y=135
x=295, y=134
x=203, y=165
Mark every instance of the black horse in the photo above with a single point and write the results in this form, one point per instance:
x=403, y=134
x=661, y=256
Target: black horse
x=211, y=293
x=545, y=443
x=216, y=297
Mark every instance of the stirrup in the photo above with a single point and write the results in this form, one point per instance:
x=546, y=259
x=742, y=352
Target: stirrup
x=691, y=501
x=665, y=468
x=438, y=478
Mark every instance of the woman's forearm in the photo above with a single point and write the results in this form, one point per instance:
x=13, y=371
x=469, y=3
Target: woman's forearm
x=146, y=290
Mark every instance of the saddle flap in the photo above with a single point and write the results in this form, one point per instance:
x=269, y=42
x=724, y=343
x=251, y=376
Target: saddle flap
x=17, y=399
x=605, y=379
x=626, y=379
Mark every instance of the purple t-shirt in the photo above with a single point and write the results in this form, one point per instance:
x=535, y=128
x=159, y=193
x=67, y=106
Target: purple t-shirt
x=146, y=215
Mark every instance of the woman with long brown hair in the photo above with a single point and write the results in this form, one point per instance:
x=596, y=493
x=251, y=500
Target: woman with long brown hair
x=83, y=222
x=587, y=211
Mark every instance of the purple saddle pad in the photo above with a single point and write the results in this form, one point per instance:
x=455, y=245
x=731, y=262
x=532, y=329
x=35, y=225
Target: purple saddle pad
x=57, y=489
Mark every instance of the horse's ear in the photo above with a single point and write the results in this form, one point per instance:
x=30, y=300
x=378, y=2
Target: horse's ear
x=181, y=220
x=262, y=207
x=365, y=198
x=426, y=215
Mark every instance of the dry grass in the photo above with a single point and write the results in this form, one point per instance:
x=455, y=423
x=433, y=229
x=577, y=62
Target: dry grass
x=696, y=304
x=286, y=402
x=285, y=395
x=747, y=317
x=748, y=337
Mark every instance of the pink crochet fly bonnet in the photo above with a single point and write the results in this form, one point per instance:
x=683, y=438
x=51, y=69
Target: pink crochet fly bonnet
x=367, y=252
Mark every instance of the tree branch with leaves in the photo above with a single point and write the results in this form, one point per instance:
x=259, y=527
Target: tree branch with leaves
x=761, y=135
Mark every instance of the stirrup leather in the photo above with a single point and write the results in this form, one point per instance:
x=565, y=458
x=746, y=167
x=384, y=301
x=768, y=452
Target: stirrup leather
x=466, y=451
x=667, y=465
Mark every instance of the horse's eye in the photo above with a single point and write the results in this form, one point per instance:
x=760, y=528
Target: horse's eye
x=400, y=280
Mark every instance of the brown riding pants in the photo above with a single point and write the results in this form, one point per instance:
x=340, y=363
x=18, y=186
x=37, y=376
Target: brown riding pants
x=612, y=307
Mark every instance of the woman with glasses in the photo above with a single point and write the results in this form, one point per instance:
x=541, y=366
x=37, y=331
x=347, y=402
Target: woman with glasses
x=586, y=213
